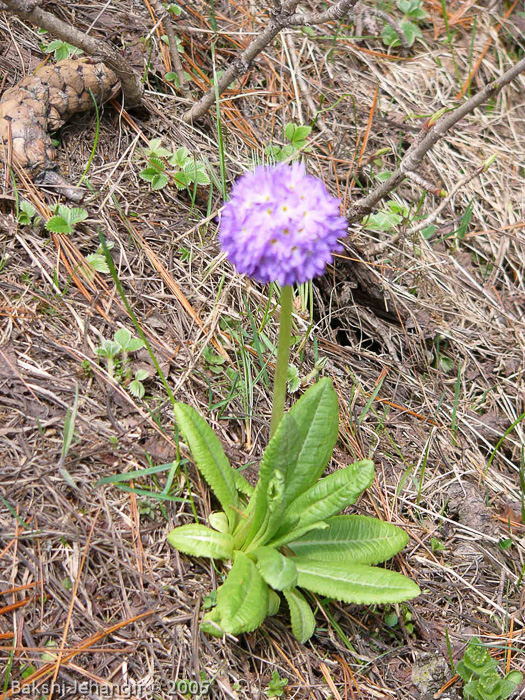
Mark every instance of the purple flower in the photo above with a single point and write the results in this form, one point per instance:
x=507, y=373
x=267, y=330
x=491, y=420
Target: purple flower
x=281, y=225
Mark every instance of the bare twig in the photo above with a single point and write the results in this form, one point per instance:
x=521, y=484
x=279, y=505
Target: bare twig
x=132, y=88
x=431, y=133
x=426, y=184
x=286, y=18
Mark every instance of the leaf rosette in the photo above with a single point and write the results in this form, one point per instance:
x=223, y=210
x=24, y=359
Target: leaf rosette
x=286, y=536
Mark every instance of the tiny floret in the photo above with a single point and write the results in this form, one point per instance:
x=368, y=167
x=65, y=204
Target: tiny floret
x=281, y=225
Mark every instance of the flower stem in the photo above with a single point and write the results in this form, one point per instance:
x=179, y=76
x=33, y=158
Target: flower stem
x=283, y=355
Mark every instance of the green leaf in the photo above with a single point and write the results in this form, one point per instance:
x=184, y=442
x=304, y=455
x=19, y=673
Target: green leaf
x=296, y=533
x=242, y=600
x=509, y=685
x=329, y=495
x=219, y=521
x=316, y=415
x=242, y=485
x=72, y=215
x=290, y=130
x=411, y=31
x=201, y=177
x=126, y=341
x=301, y=615
x=286, y=152
x=280, y=454
x=278, y=571
x=201, y=541
x=354, y=539
x=489, y=686
x=273, y=151
x=61, y=49
x=274, y=603
x=382, y=221
x=428, y=232
x=209, y=457
x=292, y=379
x=135, y=344
x=57, y=224
x=182, y=180
x=514, y=677
x=108, y=349
x=149, y=173
x=26, y=213
x=275, y=507
x=276, y=685
x=156, y=151
x=122, y=337
x=389, y=36
x=180, y=157
x=174, y=9
x=137, y=389
x=159, y=181
x=477, y=659
x=300, y=136
x=354, y=583
x=98, y=262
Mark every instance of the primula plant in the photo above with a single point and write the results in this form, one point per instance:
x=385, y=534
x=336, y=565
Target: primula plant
x=480, y=674
x=122, y=344
x=284, y=535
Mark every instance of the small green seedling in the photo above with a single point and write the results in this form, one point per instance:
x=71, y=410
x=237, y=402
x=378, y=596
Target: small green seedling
x=295, y=381
x=97, y=262
x=136, y=387
x=173, y=9
x=284, y=534
x=65, y=219
x=172, y=77
x=61, y=49
x=481, y=676
x=179, y=168
x=109, y=350
x=122, y=344
x=391, y=216
x=214, y=361
x=27, y=214
x=413, y=14
x=276, y=686
x=386, y=220
x=127, y=342
x=437, y=545
x=296, y=135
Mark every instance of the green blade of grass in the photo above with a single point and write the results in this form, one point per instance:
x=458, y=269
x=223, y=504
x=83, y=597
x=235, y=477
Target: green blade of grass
x=136, y=474
x=158, y=495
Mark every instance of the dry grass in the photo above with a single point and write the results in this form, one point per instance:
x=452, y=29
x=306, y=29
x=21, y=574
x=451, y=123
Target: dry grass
x=437, y=324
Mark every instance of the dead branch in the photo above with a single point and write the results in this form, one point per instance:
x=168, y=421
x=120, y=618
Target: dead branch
x=132, y=89
x=283, y=19
x=427, y=138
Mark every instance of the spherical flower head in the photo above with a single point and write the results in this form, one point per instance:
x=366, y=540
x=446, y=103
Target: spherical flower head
x=281, y=225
